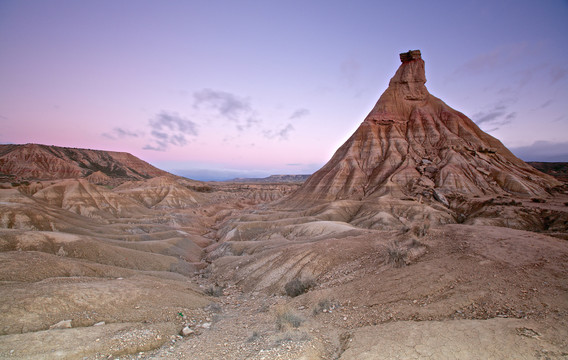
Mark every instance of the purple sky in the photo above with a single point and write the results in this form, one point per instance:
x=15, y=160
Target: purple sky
x=218, y=89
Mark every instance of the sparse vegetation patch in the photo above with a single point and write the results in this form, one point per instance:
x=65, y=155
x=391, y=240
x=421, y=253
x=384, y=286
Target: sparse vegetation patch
x=215, y=290
x=323, y=306
x=286, y=319
x=397, y=256
x=298, y=287
x=202, y=189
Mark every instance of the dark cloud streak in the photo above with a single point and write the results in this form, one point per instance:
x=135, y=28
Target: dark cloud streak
x=481, y=118
x=231, y=107
x=170, y=129
x=300, y=113
x=497, y=116
x=119, y=133
x=281, y=134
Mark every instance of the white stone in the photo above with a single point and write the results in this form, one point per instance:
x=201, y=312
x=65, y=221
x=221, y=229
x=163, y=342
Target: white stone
x=63, y=324
x=186, y=331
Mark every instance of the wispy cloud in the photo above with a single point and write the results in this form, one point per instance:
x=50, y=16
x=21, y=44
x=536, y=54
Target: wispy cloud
x=349, y=70
x=557, y=74
x=248, y=123
x=120, y=133
x=229, y=106
x=484, y=117
x=511, y=116
x=494, y=58
x=299, y=113
x=281, y=134
x=544, y=105
x=170, y=129
x=496, y=116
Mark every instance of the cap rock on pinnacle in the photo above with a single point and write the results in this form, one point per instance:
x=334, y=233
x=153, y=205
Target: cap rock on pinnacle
x=413, y=143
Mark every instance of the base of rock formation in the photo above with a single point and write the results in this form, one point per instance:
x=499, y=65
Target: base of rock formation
x=251, y=277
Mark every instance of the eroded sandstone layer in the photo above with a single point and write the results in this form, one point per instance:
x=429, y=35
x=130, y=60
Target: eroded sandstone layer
x=413, y=143
x=43, y=162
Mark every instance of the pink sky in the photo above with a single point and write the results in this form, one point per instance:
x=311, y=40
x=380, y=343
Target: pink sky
x=259, y=88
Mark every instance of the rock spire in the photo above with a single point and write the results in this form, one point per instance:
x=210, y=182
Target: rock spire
x=412, y=143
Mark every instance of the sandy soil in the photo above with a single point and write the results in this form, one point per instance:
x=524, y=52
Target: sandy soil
x=391, y=279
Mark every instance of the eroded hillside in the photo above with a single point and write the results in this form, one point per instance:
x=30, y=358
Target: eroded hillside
x=422, y=238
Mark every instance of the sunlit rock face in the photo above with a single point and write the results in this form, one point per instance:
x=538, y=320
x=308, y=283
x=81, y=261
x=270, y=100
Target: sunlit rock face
x=412, y=143
x=43, y=162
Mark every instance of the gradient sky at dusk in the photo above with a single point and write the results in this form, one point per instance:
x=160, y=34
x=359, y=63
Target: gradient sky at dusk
x=219, y=89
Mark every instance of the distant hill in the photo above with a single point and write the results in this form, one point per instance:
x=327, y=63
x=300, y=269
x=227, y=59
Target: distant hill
x=557, y=169
x=273, y=179
x=44, y=162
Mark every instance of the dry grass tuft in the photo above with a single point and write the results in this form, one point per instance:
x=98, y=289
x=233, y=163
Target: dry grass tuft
x=285, y=318
x=397, y=256
x=215, y=291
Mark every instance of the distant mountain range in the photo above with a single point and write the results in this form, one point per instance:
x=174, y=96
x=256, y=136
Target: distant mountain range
x=557, y=169
x=273, y=179
x=46, y=162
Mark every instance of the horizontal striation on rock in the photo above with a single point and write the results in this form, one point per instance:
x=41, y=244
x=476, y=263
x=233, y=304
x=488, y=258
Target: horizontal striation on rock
x=412, y=143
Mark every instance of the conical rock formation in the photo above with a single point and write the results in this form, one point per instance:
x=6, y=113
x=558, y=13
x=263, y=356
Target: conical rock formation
x=412, y=143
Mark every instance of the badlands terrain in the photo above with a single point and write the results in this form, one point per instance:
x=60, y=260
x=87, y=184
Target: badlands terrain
x=421, y=238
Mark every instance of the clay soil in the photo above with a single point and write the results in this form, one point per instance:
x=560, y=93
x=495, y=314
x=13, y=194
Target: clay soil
x=130, y=267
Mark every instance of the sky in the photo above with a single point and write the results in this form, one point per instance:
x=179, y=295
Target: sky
x=214, y=90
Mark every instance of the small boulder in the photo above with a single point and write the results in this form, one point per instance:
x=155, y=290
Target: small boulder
x=441, y=198
x=63, y=324
x=186, y=331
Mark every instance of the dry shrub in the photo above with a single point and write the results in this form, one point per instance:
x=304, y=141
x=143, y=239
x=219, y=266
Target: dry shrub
x=286, y=319
x=324, y=305
x=214, y=308
x=298, y=287
x=397, y=256
x=254, y=337
x=215, y=291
